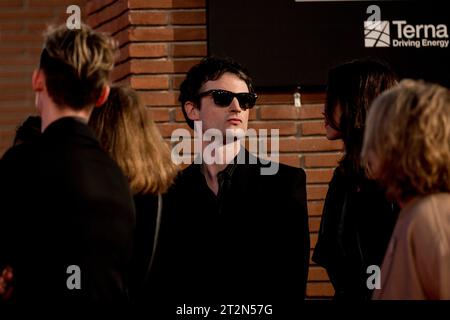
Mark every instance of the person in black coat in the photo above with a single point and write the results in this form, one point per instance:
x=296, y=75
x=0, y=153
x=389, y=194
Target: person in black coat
x=67, y=213
x=135, y=144
x=237, y=229
x=357, y=219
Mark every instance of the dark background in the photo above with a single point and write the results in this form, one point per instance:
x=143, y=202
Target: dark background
x=285, y=44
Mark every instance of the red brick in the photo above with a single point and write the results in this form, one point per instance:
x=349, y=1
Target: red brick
x=11, y=3
x=285, y=128
x=165, y=4
x=123, y=36
x=167, y=34
x=167, y=129
x=192, y=34
x=312, y=128
x=20, y=15
x=32, y=26
x=150, y=82
x=177, y=80
x=114, y=10
x=18, y=108
x=16, y=95
x=189, y=50
x=158, y=98
x=113, y=26
x=150, y=50
x=30, y=39
x=315, y=208
x=6, y=51
x=308, y=144
x=313, y=239
x=288, y=98
x=188, y=17
x=252, y=114
x=34, y=51
x=152, y=66
x=16, y=26
x=322, y=160
x=179, y=115
x=95, y=5
x=316, y=192
x=158, y=114
x=19, y=60
x=291, y=112
x=314, y=224
x=161, y=66
x=319, y=290
x=143, y=50
x=13, y=120
x=318, y=175
x=149, y=18
x=317, y=274
x=120, y=71
x=290, y=160
x=50, y=3
x=16, y=74
x=21, y=86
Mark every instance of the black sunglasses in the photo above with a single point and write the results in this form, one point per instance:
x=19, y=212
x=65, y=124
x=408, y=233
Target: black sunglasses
x=223, y=98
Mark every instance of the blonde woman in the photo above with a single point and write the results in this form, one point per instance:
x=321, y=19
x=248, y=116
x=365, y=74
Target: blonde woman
x=407, y=148
x=135, y=144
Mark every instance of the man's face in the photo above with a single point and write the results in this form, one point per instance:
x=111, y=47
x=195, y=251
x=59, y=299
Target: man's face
x=223, y=118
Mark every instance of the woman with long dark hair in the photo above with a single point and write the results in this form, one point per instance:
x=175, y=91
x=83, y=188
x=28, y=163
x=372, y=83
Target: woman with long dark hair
x=357, y=219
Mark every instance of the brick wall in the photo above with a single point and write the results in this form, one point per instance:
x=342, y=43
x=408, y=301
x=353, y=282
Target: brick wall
x=22, y=23
x=159, y=41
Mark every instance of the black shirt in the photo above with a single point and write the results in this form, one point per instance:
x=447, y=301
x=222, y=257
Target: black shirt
x=357, y=223
x=250, y=243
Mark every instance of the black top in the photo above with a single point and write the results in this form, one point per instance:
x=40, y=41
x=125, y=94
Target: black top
x=65, y=202
x=357, y=223
x=248, y=244
x=146, y=220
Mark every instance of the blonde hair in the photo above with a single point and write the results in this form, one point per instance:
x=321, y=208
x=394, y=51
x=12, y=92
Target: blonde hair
x=408, y=131
x=77, y=64
x=134, y=142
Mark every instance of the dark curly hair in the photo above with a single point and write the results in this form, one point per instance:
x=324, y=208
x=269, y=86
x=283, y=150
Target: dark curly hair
x=210, y=68
x=353, y=86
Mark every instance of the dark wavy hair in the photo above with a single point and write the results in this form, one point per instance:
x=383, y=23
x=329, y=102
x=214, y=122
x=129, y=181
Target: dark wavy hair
x=352, y=87
x=210, y=68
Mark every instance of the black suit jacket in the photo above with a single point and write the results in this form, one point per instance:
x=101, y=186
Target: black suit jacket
x=249, y=244
x=65, y=202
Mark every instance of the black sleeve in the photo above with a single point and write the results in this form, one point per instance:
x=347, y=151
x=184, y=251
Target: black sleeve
x=293, y=205
x=7, y=185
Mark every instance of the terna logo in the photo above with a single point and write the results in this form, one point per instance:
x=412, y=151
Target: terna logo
x=376, y=32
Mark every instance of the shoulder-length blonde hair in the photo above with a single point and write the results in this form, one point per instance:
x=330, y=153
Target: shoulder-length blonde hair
x=134, y=142
x=408, y=132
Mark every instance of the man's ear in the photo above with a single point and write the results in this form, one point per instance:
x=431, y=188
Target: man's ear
x=103, y=96
x=38, y=80
x=192, y=112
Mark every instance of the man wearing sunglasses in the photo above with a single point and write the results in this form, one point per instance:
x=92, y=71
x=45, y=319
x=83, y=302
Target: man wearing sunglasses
x=231, y=234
